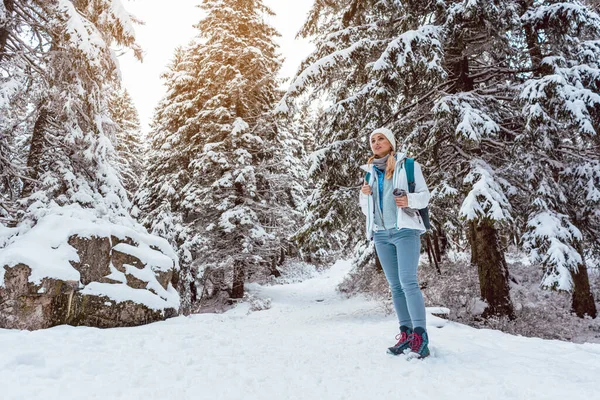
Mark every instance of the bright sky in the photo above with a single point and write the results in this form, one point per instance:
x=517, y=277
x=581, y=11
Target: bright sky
x=167, y=27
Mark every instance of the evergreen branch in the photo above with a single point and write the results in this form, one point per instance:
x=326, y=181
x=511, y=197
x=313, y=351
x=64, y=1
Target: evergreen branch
x=502, y=71
x=30, y=62
x=421, y=100
x=31, y=19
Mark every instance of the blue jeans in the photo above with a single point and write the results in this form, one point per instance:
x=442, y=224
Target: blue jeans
x=398, y=252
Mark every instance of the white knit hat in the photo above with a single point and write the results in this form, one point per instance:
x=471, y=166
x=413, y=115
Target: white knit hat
x=389, y=135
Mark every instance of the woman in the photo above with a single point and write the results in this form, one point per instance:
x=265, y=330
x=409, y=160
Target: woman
x=395, y=226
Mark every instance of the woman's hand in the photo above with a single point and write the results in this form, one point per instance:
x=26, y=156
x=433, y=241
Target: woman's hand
x=366, y=189
x=401, y=202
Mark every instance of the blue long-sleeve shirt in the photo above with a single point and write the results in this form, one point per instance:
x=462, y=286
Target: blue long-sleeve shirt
x=386, y=212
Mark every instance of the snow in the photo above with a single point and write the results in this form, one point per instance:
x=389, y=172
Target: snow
x=486, y=197
x=438, y=310
x=46, y=251
x=120, y=292
x=475, y=122
x=556, y=12
x=156, y=259
x=319, y=66
x=557, y=233
x=406, y=46
x=238, y=215
x=119, y=13
x=116, y=275
x=311, y=343
x=567, y=84
x=82, y=34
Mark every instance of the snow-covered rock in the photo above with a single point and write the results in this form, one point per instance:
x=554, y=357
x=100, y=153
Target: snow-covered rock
x=66, y=270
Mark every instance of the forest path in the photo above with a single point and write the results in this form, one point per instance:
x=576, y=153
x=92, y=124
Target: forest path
x=312, y=343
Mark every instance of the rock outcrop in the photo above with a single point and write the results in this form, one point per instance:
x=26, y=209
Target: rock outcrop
x=122, y=282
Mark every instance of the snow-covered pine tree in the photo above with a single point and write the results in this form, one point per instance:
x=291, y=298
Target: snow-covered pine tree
x=168, y=156
x=167, y=167
x=594, y=4
x=63, y=51
x=221, y=174
x=14, y=111
x=129, y=146
x=461, y=125
x=247, y=173
x=71, y=155
x=560, y=145
x=14, y=124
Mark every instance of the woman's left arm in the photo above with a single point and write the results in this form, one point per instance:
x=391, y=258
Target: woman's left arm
x=420, y=198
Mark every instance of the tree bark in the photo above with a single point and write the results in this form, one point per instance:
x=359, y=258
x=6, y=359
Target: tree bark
x=486, y=254
x=436, y=246
x=8, y=5
x=239, y=276
x=582, y=301
x=461, y=72
x=352, y=10
x=533, y=46
x=429, y=251
x=432, y=247
x=492, y=269
x=35, y=152
x=275, y=261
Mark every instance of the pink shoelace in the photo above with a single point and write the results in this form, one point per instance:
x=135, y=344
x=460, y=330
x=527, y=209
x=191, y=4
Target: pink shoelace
x=416, y=341
x=401, y=338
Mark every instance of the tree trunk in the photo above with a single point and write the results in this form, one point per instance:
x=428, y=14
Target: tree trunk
x=352, y=10
x=8, y=5
x=239, y=276
x=275, y=261
x=533, y=44
x=461, y=72
x=428, y=240
x=431, y=252
x=492, y=269
x=583, y=300
x=436, y=246
x=35, y=152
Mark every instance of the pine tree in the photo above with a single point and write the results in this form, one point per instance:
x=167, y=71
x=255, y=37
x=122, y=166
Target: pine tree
x=561, y=103
x=14, y=124
x=61, y=53
x=73, y=115
x=129, y=145
x=221, y=171
x=14, y=102
x=159, y=196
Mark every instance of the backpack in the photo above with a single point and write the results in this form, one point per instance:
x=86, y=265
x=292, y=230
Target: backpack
x=409, y=165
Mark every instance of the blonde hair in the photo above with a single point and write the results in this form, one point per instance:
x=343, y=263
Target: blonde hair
x=389, y=166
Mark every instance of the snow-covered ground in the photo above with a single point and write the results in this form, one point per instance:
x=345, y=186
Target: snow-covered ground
x=311, y=344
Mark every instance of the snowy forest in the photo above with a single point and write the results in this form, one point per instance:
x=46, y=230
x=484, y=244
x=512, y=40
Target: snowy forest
x=245, y=178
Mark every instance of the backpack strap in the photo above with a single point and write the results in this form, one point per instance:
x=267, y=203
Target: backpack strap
x=409, y=166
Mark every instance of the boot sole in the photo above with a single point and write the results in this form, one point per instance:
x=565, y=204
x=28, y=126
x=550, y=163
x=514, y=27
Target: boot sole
x=394, y=352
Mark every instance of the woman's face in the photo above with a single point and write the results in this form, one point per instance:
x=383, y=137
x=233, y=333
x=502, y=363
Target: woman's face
x=380, y=145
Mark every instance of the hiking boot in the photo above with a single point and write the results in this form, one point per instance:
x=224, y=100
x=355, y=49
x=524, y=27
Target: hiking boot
x=418, y=343
x=403, y=341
